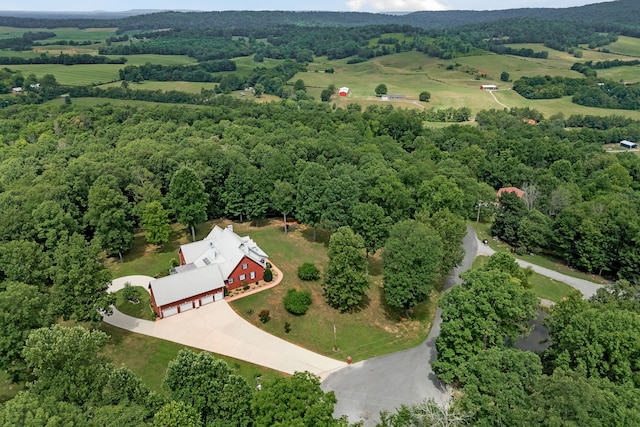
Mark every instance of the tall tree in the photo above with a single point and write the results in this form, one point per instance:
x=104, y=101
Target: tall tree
x=507, y=221
x=188, y=199
x=487, y=309
x=369, y=221
x=22, y=309
x=24, y=261
x=68, y=363
x=177, y=414
x=452, y=229
x=81, y=281
x=52, y=223
x=283, y=199
x=411, y=264
x=222, y=397
x=309, y=200
x=345, y=280
x=294, y=401
x=155, y=221
x=109, y=215
x=441, y=193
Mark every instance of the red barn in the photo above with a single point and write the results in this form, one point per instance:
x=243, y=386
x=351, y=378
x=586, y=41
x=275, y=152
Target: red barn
x=343, y=91
x=221, y=260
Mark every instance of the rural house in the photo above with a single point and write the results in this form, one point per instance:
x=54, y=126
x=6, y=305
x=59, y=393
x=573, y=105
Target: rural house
x=343, y=91
x=516, y=190
x=221, y=260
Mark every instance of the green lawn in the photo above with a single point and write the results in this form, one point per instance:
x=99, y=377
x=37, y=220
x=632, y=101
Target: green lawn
x=542, y=286
x=148, y=357
x=372, y=331
x=141, y=310
x=73, y=75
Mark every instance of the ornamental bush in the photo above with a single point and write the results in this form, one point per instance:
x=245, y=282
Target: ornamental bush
x=268, y=275
x=308, y=271
x=297, y=302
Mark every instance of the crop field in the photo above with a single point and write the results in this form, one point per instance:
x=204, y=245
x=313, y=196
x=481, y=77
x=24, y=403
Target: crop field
x=73, y=75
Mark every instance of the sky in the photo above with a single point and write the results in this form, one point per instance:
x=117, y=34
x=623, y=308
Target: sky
x=331, y=5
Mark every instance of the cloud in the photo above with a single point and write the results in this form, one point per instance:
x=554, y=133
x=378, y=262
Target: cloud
x=395, y=5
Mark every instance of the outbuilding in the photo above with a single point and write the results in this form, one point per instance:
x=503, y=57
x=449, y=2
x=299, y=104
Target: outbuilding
x=628, y=144
x=488, y=87
x=343, y=91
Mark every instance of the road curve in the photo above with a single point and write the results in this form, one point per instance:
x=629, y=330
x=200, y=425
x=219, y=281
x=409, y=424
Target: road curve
x=384, y=383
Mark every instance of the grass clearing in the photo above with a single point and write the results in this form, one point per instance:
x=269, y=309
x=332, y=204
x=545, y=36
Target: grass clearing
x=542, y=286
x=628, y=46
x=73, y=75
x=191, y=87
x=148, y=357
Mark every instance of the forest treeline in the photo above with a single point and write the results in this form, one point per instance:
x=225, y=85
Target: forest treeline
x=76, y=182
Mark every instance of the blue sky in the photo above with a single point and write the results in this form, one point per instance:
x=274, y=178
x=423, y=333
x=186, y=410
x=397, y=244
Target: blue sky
x=335, y=5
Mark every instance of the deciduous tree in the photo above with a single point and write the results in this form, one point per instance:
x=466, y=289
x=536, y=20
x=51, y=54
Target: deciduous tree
x=155, y=221
x=188, y=199
x=283, y=199
x=369, y=221
x=309, y=200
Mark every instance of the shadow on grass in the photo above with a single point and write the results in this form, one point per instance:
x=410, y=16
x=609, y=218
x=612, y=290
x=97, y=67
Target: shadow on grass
x=322, y=235
x=421, y=312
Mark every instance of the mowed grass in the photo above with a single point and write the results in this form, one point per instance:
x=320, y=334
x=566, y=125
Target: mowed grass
x=542, y=286
x=148, y=357
x=625, y=46
x=191, y=87
x=372, y=331
x=73, y=75
x=141, y=309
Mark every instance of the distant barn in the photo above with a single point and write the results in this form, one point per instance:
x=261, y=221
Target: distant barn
x=343, y=91
x=628, y=144
x=488, y=87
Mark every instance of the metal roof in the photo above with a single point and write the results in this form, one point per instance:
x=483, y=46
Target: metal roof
x=185, y=284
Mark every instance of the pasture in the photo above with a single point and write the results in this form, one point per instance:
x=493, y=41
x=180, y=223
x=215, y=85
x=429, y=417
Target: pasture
x=628, y=46
x=73, y=75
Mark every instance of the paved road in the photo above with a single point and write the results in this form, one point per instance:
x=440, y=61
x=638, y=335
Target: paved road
x=587, y=288
x=217, y=328
x=383, y=383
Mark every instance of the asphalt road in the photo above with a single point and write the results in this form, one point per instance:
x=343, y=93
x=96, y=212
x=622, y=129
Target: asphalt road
x=384, y=383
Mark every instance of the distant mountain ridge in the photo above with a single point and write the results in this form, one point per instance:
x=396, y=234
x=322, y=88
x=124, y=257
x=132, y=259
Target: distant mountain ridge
x=624, y=13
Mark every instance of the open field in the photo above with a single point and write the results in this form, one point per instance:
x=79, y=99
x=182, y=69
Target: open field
x=62, y=33
x=625, y=46
x=191, y=87
x=102, y=101
x=452, y=83
x=73, y=75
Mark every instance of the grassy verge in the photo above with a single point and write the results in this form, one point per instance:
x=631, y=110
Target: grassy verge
x=542, y=286
x=141, y=310
x=148, y=357
x=484, y=232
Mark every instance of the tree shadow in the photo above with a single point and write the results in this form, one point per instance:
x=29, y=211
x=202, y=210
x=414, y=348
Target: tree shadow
x=375, y=265
x=322, y=235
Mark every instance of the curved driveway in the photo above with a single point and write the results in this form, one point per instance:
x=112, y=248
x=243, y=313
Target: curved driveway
x=217, y=328
x=384, y=383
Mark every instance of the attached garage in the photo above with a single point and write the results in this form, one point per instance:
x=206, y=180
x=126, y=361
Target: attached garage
x=206, y=299
x=186, y=306
x=169, y=311
x=219, y=296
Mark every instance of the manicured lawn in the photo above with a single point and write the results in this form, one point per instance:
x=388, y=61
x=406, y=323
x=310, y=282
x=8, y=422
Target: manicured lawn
x=483, y=231
x=141, y=310
x=148, y=357
x=372, y=331
x=542, y=286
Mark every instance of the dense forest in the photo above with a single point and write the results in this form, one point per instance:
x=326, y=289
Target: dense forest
x=76, y=182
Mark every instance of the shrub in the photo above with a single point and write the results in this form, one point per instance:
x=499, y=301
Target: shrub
x=174, y=262
x=308, y=271
x=424, y=96
x=297, y=302
x=268, y=275
x=129, y=292
x=287, y=327
x=264, y=316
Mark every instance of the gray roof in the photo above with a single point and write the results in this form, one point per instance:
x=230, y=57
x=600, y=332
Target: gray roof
x=185, y=284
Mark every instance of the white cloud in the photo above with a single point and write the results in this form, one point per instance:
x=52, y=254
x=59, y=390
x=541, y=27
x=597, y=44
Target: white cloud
x=395, y=5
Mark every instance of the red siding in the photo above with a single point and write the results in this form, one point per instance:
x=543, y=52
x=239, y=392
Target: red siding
x=182, y=262
x=252, y=267
x=193, y=299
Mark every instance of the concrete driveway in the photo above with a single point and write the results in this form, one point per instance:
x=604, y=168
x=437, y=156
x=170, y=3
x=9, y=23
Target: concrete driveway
x=384, y=383
x=217, y=328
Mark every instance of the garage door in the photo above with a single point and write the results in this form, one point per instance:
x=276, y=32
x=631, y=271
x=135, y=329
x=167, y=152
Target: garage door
x=206, y=300
x=219, y=296
x=186, y=306
x=169, y=311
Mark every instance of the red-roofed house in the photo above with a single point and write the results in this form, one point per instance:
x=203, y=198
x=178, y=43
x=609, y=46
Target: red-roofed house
x=221, y=260
x=516, y=190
